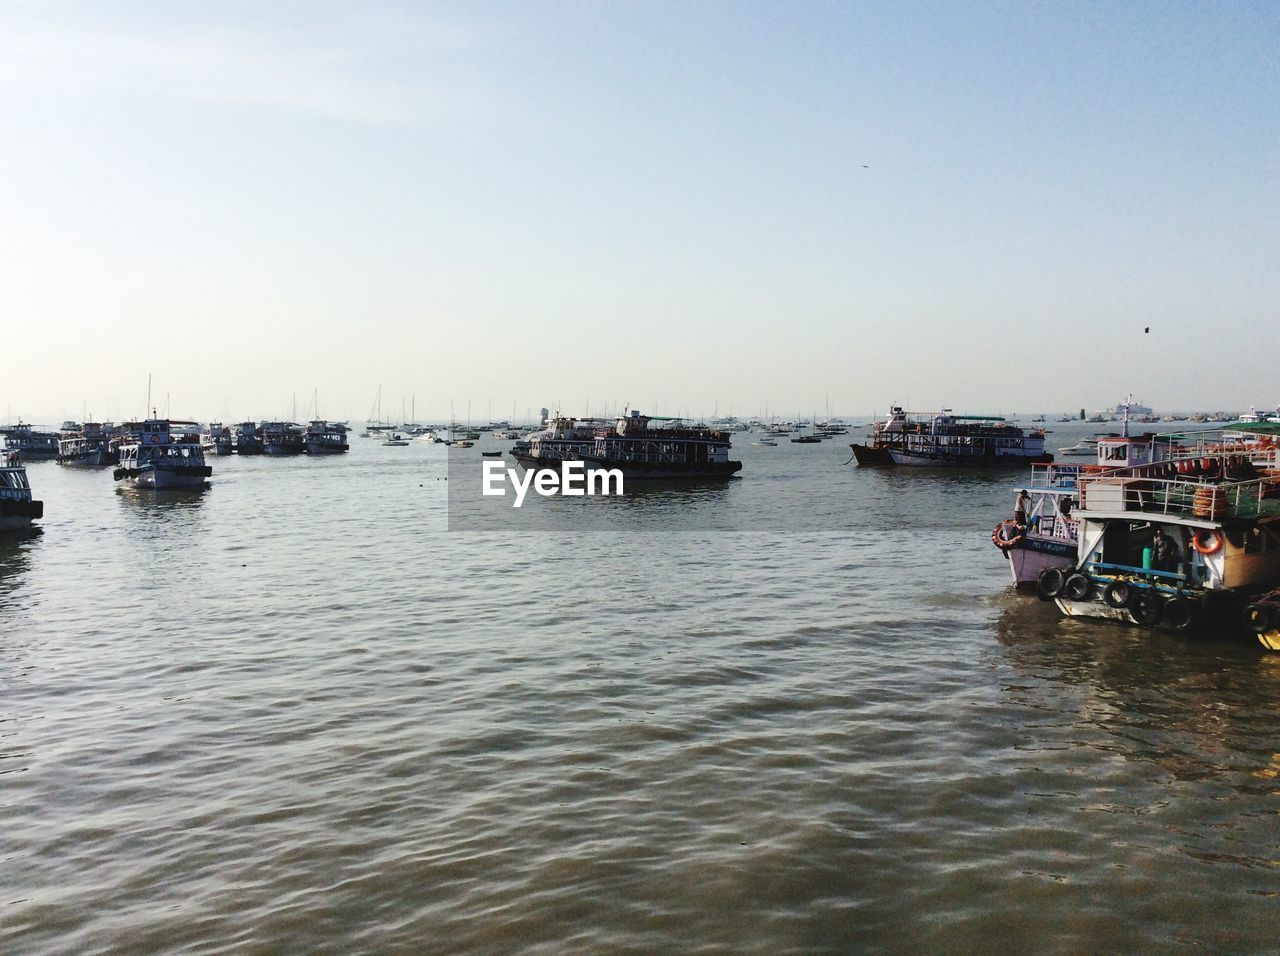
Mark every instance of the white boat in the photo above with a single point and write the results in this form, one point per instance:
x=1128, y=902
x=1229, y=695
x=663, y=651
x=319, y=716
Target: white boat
x=944, y=440
x=1084, y=448
x=1189, y=546
x=394, y=440
x=87, y=447
x=17, y=508
x=151, y=457
x=1043, y=531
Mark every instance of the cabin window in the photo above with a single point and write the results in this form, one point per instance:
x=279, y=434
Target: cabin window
x=1115, y=453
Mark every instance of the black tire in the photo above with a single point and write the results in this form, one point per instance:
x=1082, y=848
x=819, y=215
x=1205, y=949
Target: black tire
x=1179, y=613
x=1116, y=594
x=1259, y=618
x=1049, y=583
x=1077, y=587
x=1148, y=608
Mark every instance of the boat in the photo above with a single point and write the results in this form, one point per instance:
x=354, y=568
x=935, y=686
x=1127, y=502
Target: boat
x=248, y=439
x=641, y=447
x=32, y=445
x=217, y=439
x=491, y=454
x=283, y=438
x=17, y=507
x=152, y=457
x=807, y=440
x=89, y=446
x=1191, y=544
x=395, y=440
x=1043, y=531
x=326, y=438
x=941, y=439
x=765, y=440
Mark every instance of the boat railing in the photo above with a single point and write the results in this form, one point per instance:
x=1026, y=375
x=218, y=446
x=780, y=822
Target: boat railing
x=1209, y=500
x=1055, y=477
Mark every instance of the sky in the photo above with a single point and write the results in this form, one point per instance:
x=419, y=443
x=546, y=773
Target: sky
x=688, y=207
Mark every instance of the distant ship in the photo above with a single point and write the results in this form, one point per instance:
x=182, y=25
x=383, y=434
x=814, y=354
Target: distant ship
x=943, y=440
x=635, y=444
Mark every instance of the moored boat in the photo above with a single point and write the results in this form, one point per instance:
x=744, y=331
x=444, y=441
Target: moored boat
x=17, y=507
x=248, y=439
x=282, y=438
x=88, y=446
x=943, y=440
x=641, y=447
x=31, y=444
x=1187, y=545
x=1043, y=531
x=327, y=438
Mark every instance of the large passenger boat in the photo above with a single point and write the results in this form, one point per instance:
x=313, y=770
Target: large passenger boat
x=32, y=445
x=327, y=438
x=283, y=438
x=150, y=457
x=88, y=446
x=17, y=508
x=248, y=439
x=640, y=446
x=943, y=440
x=1191, y=543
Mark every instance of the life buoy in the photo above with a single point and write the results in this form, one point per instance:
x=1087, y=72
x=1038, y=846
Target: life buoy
x=155, y=439
x=1207, y=541
x=1008, y=534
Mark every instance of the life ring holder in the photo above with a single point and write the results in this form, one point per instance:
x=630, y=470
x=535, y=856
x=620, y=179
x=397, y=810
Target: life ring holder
x=1207, y=541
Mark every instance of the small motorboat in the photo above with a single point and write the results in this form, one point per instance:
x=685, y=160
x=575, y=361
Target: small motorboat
x=394, y=440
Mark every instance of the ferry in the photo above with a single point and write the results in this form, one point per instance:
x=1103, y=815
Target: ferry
x=943, y=440
x=152, y=458
x=1191, y=544
x=32, y=445
x=248, y=439
x=88, y=446
x=635, y=444
x=17, y=508
x=283, y=438
x=327, y=438
x=217, y=439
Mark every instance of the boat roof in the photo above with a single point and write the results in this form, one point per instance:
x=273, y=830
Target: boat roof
x=1254, y=428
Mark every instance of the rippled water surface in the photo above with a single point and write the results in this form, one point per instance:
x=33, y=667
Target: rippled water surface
x=294, y=713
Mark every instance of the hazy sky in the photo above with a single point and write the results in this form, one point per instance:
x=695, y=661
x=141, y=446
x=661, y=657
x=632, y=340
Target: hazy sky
x=692, y=204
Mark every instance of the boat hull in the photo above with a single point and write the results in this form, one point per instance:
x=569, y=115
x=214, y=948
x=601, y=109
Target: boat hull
x=16, y=516
x=710, y=471
x=1034, y=556
x=165, y=479
x=912, y=459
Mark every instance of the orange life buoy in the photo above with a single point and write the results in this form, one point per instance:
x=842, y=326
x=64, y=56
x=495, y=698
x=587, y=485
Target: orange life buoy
x=1207, y=541
x=1008, y=534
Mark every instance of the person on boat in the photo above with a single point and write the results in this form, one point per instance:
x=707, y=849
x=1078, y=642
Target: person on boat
x=1020, y=507
x=1164, y=553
